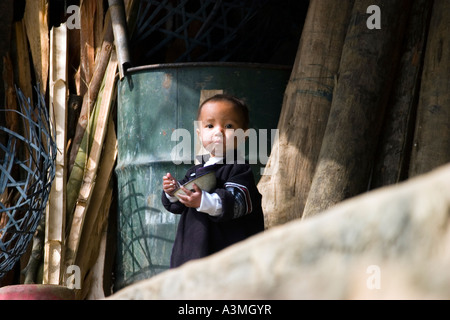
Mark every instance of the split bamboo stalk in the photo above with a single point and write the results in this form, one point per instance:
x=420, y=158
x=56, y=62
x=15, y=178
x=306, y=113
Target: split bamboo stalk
x=36, y=12
x=89, y=177
x=431, y=146
x=101, y=63
x=366, y=72
x=96, y=256
x=76, y=175
x=99, y=24
x=96, y=217
x=95, y=282
x=305, y=110
x=91, y=95
x=87, y=55
x=56, y=209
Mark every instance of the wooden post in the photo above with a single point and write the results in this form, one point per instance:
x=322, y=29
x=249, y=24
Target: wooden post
x=432, y=134
x=368, y=64
x=304, y=115
x=392, y=159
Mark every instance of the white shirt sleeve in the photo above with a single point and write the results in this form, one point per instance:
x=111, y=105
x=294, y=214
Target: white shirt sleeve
x=171, y=199
x=210, y=204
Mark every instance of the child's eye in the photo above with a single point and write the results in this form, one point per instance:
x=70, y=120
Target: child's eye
x=209, y=126
x=229, y=126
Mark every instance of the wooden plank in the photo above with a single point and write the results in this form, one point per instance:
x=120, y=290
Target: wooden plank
x=303, y=119
x=366, y=72
x=56, y=213
x=431, y=146
x=35, y=18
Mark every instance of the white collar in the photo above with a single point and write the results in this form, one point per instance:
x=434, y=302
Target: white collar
x=213, y=160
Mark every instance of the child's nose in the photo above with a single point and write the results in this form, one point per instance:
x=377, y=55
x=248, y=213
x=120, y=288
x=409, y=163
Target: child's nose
x=219, y=131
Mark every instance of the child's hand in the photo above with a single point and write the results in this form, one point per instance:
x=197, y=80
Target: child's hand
x=191, y=199
x=169, y=184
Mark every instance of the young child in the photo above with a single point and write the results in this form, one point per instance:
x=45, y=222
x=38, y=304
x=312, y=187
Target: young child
x=231, y=212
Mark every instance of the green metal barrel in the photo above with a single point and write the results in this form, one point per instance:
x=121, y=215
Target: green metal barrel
x=154, y=103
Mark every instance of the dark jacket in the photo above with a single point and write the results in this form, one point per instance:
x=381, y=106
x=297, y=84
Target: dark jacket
x=199, y=234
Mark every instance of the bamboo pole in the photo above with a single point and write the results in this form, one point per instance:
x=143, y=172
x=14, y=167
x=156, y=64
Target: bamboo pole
x=76, y=175
x=56, y=209
x=304, y=114
x=366, y=71
x=431, y=146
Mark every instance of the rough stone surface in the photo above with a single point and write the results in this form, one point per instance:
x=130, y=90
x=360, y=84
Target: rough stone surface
x=392, y=243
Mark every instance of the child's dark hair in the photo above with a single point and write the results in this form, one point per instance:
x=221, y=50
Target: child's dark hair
x=237, y=103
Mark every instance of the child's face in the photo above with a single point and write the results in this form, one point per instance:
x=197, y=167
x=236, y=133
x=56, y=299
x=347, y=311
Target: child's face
x=217, y=122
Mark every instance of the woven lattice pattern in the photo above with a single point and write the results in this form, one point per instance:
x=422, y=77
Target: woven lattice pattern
x=26, y=174
x=193, y=30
